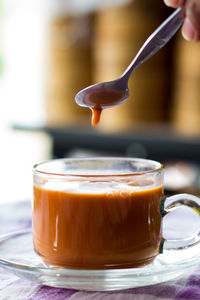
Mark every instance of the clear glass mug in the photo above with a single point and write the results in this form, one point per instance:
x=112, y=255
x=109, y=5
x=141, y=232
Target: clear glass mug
x=104, y=213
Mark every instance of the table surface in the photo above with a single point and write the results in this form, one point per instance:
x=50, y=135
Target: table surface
x=17, y=215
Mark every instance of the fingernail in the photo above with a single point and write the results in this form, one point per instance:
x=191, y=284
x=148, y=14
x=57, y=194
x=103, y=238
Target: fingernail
x=174, y=3
x=168, y=2
x=188, y=31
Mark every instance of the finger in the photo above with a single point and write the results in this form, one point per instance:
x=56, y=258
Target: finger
x=189, y=31
x=191, y=26
x=174, y=3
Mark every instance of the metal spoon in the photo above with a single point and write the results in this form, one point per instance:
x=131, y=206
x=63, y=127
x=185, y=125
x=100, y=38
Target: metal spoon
x=108, y=94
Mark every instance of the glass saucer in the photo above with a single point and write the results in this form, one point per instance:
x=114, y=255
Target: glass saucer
x=17, y=256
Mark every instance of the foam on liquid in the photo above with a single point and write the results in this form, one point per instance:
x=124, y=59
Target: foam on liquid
x=94, y=187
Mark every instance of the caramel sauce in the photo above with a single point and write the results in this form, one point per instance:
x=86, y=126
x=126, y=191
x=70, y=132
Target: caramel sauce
x=99, y=99
x=96, y=115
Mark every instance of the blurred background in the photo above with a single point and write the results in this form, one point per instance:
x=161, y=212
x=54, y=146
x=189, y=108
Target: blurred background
x=50, y=49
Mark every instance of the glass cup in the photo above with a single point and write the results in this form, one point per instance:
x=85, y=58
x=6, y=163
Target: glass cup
x=104, y=213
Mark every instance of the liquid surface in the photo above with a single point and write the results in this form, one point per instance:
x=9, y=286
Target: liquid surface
x=114, y=229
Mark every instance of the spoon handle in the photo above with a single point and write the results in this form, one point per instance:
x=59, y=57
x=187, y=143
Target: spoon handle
x=157, y=40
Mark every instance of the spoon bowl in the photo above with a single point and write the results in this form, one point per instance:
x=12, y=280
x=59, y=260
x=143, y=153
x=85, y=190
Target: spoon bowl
x=103, y=95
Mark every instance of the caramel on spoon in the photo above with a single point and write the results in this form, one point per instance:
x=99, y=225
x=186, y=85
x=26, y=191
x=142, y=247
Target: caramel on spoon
x=108, y=94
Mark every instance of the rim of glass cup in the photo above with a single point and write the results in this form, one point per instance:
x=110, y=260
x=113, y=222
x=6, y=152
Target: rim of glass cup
x=156, y=167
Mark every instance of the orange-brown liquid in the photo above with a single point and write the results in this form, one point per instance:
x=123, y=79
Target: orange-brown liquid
x=96, y=115
x=97, y=231
x=103, y=98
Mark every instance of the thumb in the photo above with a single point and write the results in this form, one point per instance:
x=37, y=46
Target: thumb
x=191, y=26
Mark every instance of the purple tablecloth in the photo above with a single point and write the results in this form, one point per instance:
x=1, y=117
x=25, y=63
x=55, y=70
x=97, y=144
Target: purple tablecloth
x=17, y=216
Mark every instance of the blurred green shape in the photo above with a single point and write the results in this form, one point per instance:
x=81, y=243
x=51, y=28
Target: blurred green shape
x=1, y=56
x=1, y=63
x=1, y=8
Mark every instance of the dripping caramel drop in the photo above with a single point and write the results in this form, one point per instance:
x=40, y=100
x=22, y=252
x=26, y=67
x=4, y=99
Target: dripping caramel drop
x=96, y=115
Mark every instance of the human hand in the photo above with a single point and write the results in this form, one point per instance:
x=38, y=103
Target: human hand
x=191, y=26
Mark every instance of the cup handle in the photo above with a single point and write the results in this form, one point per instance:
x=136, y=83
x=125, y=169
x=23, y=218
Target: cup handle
x=170, y=205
